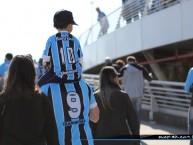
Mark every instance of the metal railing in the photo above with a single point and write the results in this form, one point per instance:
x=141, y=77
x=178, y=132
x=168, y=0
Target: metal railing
x=130, y=12
x=159, y=96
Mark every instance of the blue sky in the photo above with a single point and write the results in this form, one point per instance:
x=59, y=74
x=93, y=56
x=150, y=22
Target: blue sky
x=26, y=25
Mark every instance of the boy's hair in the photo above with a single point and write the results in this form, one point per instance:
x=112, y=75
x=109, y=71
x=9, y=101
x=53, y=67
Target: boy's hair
x=62, y=18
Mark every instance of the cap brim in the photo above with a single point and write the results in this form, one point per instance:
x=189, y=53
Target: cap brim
x=74, y=23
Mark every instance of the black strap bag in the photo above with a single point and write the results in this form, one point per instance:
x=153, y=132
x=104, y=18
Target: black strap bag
x=3, y=105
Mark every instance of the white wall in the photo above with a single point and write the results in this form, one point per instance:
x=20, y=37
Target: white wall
x=167, y=26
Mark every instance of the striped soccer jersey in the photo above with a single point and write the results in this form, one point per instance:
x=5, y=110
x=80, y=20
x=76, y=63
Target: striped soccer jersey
x=71, y=103
x=64, y=53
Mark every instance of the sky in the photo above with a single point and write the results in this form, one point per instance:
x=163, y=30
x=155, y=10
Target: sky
x=26, y=24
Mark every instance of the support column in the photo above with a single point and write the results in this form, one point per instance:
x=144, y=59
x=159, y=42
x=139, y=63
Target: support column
x=155, y=67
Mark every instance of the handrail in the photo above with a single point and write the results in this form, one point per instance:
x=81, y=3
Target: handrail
x=159, y=96
x=133, y=10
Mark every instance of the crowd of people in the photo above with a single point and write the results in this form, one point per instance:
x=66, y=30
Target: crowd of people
x=51, y=104
x=131, y=80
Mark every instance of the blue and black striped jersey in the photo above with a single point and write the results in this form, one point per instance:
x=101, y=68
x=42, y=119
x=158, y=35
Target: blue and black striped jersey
x=71, y=103
x=63, y=51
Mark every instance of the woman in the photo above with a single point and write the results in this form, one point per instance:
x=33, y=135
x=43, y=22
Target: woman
x=117, y=116
x=27, y=118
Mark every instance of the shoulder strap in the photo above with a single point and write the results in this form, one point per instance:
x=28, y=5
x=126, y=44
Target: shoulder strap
x=4, y=106
x=1, y=115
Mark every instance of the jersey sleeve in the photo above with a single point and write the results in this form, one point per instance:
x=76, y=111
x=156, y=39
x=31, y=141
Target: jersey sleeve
x=79, y=49
x=80, y=52
x=189, y=81
x=45, y=55
x=44, y=89
x=93, y=103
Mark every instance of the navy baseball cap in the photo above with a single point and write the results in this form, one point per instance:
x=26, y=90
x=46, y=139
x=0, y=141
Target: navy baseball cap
x=63, y=17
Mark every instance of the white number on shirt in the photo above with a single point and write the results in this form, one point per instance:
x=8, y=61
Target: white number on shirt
x=71, y=58
x=73, y=101
x=62, y=54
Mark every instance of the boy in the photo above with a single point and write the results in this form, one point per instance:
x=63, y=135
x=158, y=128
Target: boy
x=72, y=98
x=62, y=52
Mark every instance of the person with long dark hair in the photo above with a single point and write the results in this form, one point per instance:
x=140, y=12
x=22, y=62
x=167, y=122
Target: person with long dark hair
x=26, y=114
x=118, y=118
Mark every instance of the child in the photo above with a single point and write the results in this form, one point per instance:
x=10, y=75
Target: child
x=63, y=52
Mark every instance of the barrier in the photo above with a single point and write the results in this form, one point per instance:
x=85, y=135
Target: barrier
x=159, y=96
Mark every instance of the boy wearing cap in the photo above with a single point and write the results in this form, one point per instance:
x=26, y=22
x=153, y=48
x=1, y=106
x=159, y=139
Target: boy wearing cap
x=62, y=52
x=71, y=97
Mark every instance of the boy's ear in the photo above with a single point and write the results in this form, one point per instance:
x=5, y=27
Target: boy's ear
x=70, y=24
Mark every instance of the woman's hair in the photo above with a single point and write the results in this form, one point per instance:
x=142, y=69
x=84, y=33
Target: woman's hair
x=107, y=84
x=20, y=81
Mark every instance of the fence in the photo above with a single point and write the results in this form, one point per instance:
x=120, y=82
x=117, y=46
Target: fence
x=160, y=96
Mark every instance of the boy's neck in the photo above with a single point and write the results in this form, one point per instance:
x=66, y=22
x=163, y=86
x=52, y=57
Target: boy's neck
x=60, y=30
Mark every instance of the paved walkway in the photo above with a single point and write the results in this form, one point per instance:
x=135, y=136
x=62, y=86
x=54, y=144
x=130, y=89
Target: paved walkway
x=150, y=128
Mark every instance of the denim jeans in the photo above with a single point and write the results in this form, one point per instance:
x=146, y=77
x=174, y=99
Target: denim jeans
x=137, y=106
x=190, y=123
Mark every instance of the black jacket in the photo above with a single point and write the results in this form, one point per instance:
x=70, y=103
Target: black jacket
x=28, y=121
x=120, y=122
